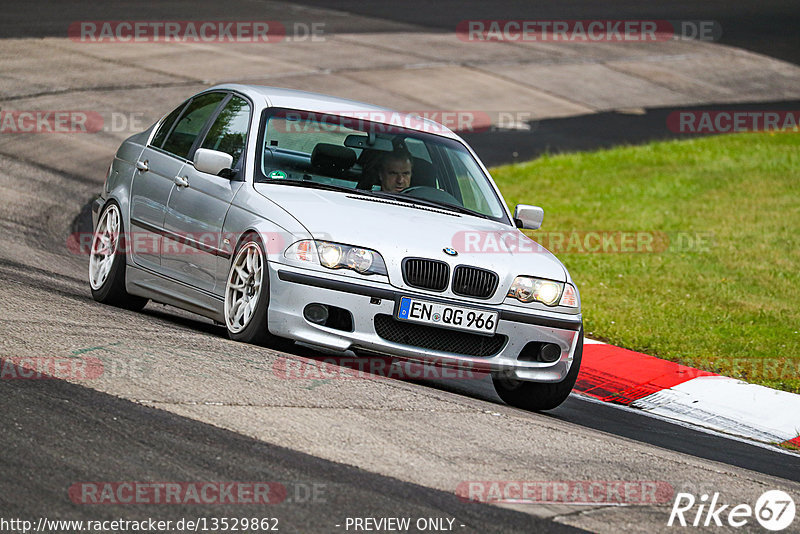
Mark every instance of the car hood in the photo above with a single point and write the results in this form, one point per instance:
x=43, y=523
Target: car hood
x=398, y=230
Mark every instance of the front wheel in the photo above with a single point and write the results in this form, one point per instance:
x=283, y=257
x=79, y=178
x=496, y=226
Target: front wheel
x=107, y=262
x=536, y=396
x=247, y=295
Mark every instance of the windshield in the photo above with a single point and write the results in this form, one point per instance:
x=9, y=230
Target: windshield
x=352, y=154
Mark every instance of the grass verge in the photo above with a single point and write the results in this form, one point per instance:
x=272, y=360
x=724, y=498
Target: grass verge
x=711, y=275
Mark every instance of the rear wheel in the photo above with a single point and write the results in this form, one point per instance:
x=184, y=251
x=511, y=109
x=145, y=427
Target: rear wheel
x=538, y=396
x=107, y=262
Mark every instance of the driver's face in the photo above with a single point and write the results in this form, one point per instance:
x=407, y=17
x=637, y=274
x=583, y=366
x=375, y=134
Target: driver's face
x=395, y=175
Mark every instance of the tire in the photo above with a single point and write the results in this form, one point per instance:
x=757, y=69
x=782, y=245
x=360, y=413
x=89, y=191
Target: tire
x=537, y=396
x=107, y=262
x=247, y=296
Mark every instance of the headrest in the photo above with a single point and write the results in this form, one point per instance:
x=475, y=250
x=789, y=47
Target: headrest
x=331, y=159
x=423, y=174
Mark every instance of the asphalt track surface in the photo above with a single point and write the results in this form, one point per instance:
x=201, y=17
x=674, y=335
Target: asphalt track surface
x=768, y=27
x=57, y=432
x=115, y=439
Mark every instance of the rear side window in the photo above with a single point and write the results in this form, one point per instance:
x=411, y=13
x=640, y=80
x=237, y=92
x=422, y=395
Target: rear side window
x=229, y=131
x=166, y=126
x=180, y=140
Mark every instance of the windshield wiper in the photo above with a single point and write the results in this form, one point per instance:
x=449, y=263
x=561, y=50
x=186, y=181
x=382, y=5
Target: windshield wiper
x=381, y=194
x=435, y=204
x=312, y=185
x=340, y=188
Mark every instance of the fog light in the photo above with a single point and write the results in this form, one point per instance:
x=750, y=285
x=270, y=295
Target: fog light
x=316, y=313
x=549, y=352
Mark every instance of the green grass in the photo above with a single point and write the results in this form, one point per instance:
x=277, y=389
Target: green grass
x=731, y=306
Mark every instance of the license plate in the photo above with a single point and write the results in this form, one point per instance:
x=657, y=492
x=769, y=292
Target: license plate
x=447, y=316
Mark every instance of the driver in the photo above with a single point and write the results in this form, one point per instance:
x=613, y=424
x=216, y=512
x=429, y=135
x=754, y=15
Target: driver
x=394, y=171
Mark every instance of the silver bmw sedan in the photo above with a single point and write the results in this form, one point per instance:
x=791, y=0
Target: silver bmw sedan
x=293, y=216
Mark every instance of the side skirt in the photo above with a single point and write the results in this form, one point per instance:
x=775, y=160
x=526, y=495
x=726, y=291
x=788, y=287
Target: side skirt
x=148, y=284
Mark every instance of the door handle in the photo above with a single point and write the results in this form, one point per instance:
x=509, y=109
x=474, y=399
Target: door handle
x=142, y=166
x=181, y=181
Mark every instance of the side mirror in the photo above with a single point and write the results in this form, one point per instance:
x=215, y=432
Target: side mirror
x=212, y=161
x=529, y=217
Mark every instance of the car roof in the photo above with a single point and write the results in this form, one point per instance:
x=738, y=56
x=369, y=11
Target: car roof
x=318, y=103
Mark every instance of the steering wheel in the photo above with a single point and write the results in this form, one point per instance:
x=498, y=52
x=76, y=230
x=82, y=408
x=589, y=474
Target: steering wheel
x=425, y=192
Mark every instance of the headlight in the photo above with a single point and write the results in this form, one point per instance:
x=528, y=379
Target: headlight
x=360, y=259
x=527, y=289
x=329, y=254
x=337, y=256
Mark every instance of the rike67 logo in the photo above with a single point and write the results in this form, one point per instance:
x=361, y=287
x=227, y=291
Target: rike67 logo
x=774, y=510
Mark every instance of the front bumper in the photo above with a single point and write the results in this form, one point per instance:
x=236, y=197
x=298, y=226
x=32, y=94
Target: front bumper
x=291, y=289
